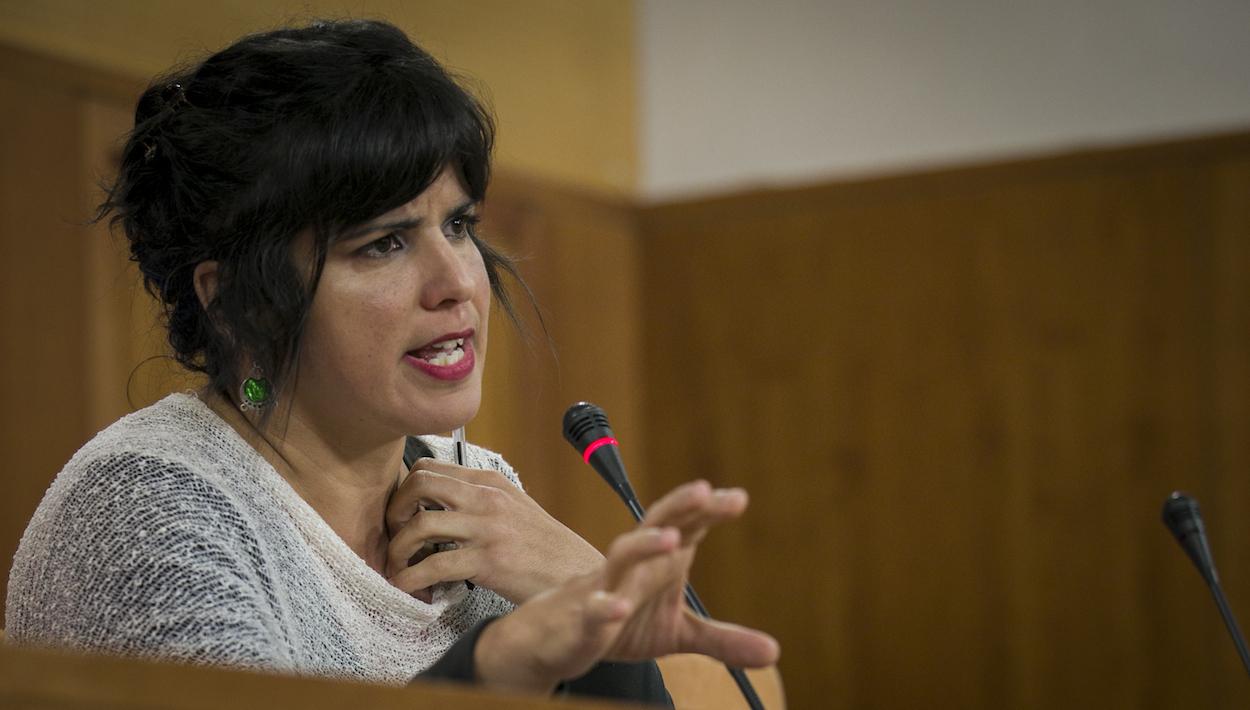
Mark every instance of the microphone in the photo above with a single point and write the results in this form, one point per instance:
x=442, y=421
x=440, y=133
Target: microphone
x=1182, y=516
x=586, y=428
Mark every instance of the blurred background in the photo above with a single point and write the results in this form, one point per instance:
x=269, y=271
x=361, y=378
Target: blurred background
x=959, y=291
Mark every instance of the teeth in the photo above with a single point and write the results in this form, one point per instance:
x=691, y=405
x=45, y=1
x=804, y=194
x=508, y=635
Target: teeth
x=447, y=357
x=449, y=344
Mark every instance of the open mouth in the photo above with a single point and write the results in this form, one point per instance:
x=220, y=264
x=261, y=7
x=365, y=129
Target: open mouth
x=442, y=354
x=449, y=358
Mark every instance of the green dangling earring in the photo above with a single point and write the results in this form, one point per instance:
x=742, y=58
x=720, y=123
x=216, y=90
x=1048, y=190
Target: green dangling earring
x=255, y=392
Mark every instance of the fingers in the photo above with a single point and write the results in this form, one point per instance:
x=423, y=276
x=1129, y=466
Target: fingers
x=422, y=487
x=476, y=476
x=634, y=564
x=736, y=645
x=454, y=492
x=678, y=502
x=635, y=547
x=446, y=566
x=693, y=507
x=604, y=607
x=426, y=527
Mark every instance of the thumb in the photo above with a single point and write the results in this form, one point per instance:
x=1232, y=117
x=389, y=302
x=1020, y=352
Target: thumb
x=604, y=607
x=733, y=644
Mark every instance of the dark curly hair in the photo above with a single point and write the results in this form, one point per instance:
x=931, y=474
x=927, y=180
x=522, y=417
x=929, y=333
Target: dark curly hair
x=313, y=128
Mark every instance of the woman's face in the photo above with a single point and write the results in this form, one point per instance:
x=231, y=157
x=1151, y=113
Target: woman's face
x=396, y=336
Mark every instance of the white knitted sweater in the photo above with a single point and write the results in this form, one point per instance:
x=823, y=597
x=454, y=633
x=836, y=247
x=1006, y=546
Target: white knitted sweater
x=168, y=536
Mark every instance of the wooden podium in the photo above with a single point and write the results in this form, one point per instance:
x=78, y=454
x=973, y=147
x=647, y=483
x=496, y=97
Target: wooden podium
x=46, y=680
x=43, y=680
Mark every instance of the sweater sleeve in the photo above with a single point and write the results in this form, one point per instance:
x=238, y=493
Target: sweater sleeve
x=457, y=662
x=141, y=557
x=639, y=682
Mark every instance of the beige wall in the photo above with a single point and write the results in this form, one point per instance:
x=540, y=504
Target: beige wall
x=559, y=73
x=739, y=93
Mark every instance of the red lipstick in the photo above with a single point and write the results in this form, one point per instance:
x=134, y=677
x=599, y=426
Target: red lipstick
x=449, y=357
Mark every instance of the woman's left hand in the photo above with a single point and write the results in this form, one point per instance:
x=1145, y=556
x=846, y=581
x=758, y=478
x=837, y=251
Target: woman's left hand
x=630, y=608
x=504, y=541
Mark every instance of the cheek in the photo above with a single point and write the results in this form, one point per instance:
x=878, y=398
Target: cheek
x=350, y=325
x=482, y=302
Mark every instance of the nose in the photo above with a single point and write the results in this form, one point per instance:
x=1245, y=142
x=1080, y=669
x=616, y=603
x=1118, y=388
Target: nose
x=448, y=274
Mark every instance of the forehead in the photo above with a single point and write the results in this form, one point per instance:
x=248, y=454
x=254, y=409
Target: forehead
x=448, y=191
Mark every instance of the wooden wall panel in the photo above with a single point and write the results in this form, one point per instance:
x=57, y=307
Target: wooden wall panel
x=1227, y=382
x=42, y=369
x=959, y=400
x=579, y=254
x=76, y=325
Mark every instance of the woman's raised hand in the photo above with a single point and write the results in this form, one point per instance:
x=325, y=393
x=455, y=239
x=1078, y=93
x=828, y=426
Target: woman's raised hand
x=631, y=608
x=504, y=541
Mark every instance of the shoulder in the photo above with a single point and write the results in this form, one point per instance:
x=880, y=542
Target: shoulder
x=149, y=491
x=142, y=492
x=138, y=548
x=444, y=449
x=167, y=461
x=179, y=428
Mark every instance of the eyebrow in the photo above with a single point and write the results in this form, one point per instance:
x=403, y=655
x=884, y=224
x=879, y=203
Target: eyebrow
x=403, y=224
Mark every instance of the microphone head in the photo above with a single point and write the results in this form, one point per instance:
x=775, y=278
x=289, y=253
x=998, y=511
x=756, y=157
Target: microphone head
x=1182, y=516
x=586, y=428
x=584, y=424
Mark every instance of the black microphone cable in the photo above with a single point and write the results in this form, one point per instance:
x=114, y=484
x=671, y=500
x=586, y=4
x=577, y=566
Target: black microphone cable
x=586, y=428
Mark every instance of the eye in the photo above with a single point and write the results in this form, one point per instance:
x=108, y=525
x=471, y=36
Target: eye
x=379, y=248
x=461, y=226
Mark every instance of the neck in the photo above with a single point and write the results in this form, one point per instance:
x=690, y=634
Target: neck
x=347, y=483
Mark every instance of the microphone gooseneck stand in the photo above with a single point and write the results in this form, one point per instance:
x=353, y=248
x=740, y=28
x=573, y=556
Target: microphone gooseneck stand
x=586, y=428
x=1182, y=516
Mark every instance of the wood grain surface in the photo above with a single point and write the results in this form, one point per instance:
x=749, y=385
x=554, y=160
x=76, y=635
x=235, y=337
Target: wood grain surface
x=959, y=400
x=32, y=679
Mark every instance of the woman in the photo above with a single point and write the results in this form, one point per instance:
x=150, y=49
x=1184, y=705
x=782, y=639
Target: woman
x=303, y=205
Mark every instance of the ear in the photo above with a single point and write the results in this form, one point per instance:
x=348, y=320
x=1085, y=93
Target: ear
x=205, y=281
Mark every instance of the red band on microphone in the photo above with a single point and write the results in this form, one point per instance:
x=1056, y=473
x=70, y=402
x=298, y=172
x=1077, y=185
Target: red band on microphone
x=605, y=441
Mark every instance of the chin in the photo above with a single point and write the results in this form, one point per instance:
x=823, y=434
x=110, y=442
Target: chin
x=440, y=420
